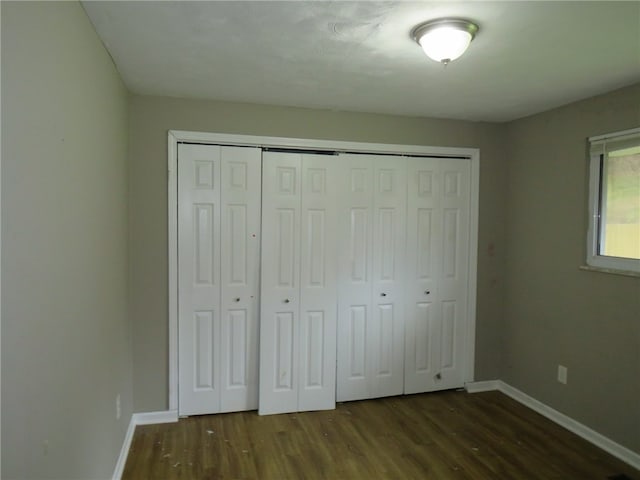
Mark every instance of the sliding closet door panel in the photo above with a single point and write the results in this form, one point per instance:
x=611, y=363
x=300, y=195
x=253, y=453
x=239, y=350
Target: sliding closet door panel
x=199, y=279
x=280, y=282
x=453, y=291
x=318, y=277
x=240, y=218
x=424, y=257
x=386, y=345
x=355, y=256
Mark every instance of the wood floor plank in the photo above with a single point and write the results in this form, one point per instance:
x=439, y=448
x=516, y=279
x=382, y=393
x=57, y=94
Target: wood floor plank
x=436, y=436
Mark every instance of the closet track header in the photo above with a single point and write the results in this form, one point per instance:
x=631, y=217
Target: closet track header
x=306, y=151
x=323, y=147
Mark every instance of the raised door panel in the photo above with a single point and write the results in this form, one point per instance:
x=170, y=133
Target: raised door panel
x=280, y=283
x=240, y=218
x=199, y=279
x=318, y=290
x=355, y=255
x=386, y=344
x=284, y=361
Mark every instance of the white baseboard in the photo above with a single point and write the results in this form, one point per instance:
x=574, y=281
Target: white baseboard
x=150, y=418
x=486, y=386
x=124, y=451
x=597, y=439
x=147, y=418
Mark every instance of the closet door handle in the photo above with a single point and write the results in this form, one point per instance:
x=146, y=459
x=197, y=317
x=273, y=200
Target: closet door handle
x=427, y=292
x=383, y=294
x=286, y=300
x=236, y=299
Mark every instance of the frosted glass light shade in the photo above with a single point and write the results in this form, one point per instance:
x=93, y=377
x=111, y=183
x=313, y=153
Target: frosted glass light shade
x=445, y=44
x=445, y=40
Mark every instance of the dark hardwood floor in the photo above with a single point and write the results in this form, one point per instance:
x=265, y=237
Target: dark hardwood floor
x=446, y=435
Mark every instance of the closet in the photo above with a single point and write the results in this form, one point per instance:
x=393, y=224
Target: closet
x=307, y=277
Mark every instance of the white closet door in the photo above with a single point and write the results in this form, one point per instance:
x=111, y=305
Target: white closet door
x=240, y=260
x=437, y=273
x=318, y=277
x=454, y=279
x=371, y=278
x=298, y=313
x=199, y=278
x=424, y=256
x=280, y=283
x=386, y=344
x=355, y=232
x=218, y=242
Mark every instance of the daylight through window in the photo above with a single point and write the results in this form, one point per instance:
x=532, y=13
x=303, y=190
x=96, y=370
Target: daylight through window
x=614, y=230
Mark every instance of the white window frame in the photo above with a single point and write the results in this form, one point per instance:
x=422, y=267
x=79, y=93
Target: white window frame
x=596, y=153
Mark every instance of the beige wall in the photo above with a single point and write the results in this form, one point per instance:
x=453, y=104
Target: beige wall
x=554, y=312
x=66, y=346
x=152, y=117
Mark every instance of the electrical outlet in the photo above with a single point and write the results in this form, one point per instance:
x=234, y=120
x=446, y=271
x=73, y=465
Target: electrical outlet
x=562, y=374
x=118, y=410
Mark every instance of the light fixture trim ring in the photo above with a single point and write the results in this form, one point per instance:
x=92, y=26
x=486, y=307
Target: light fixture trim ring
x=458, y=23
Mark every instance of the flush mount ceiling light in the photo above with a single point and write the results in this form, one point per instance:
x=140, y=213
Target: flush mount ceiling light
x=445, y=39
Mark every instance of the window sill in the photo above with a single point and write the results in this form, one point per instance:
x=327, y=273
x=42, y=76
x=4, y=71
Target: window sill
x=625, y=273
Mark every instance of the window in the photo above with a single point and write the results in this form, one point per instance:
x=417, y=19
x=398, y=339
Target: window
x=613, y=240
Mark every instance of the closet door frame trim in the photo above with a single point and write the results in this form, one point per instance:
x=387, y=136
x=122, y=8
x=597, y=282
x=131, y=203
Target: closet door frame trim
x=178, y=136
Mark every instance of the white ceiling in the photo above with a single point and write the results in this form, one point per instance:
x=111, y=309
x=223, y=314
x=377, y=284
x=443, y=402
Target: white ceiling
x=528, y=56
